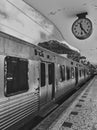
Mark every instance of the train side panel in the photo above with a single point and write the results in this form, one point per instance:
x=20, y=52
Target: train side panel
x=30, y=78
x=65, y=82
x=16, y=107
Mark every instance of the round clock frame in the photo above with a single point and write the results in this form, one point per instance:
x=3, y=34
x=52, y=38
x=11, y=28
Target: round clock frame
x=82, y=28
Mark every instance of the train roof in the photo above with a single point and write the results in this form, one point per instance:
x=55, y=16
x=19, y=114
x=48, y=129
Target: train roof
x=8, y=36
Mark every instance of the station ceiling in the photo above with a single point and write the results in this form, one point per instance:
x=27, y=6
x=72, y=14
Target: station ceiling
x=63, y=13
x=16, y=19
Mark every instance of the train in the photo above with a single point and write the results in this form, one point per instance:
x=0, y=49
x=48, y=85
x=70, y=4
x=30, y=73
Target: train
x=31, y=78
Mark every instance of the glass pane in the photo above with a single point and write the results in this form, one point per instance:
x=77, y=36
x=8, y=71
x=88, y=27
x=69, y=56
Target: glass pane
x=23, y=75
x=16, y=75
x=51, y=73
x=42, y=74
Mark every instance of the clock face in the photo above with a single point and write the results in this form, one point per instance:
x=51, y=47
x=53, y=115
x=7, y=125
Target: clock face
x=82, y=28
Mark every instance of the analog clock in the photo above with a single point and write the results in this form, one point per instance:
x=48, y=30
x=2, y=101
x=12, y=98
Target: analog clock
x=82, y=28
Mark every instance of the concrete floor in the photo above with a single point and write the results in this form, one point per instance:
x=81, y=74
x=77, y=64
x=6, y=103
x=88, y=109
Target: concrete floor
x=82, y=114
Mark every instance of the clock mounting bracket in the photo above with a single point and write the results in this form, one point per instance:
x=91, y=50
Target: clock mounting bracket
x=82, y=15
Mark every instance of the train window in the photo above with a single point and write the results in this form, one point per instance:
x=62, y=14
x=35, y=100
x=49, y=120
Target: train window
x=68, y=72
x=35, y=52
x=42, y=74
x=62, y=72
x=84, y=73
x=50, y=73
x=72, y=72
x=80, y=73
x=16, y=75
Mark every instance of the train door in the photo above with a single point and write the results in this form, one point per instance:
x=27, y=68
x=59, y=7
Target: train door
x=76, y=75
x=46, y=82
x=50, y=82
x=43, y=88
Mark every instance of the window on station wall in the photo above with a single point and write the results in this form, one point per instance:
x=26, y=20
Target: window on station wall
x=42, y=76
x=16, y=75
x=68, y=72
x=72, y=72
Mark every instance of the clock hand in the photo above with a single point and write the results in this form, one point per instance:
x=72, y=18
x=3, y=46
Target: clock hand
x=82, y=28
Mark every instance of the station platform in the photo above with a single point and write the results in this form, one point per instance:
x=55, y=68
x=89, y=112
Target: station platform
x=80, y=115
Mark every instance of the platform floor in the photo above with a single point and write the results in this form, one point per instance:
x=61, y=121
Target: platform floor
x=82, y=114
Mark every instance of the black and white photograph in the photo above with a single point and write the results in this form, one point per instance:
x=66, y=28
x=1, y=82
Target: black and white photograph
x=48, y=64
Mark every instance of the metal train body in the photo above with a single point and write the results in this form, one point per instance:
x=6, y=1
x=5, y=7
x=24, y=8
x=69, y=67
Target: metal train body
x=32, y=77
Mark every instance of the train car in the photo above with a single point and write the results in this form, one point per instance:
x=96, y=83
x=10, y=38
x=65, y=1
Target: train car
x=30, y=78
